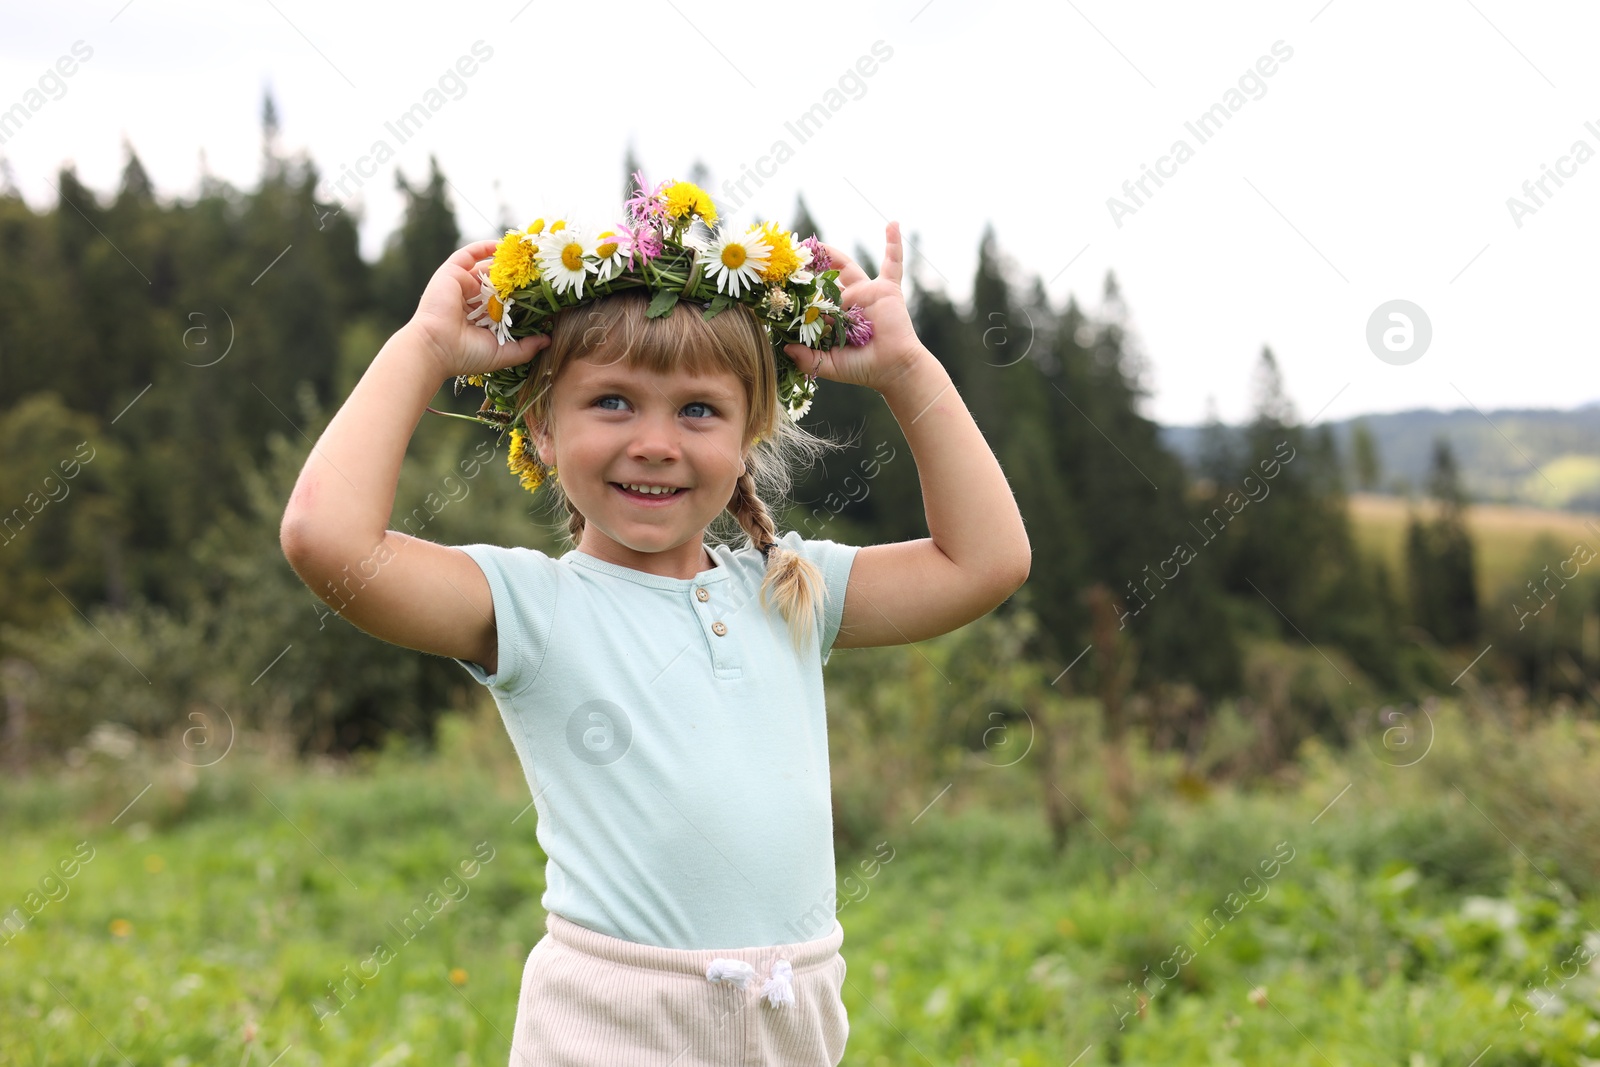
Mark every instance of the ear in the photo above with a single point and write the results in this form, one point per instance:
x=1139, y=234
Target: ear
x=544, y=446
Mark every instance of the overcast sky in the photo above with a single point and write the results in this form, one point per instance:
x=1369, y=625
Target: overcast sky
x=1373, y=163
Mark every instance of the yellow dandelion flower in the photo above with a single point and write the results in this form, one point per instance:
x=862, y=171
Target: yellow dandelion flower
x=684, y=198
x=458, y=976
x=782, y=260
x=475, y=379
x=516, y=262
x=121, y=928
x=523, y=463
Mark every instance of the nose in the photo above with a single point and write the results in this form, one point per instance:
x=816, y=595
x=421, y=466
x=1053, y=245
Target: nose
x=656, y=436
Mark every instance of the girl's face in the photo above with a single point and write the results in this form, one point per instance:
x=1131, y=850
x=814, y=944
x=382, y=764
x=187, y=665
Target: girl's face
x=616, y=426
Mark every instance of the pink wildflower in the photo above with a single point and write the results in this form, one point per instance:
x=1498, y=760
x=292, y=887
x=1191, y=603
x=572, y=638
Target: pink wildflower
x=647, y=242
x=646, y=206
x=627, y=240
x=819, y=255
x=857, y=327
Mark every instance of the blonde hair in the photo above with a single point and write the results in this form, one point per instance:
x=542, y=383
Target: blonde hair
x=682, y=341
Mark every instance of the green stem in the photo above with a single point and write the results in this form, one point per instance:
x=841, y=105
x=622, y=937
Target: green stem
x=454, y=415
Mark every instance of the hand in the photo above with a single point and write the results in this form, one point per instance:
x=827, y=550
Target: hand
x=441, y=324
x=894, y=346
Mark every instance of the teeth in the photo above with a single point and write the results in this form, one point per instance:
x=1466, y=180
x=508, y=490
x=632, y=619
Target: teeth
x=656, y=491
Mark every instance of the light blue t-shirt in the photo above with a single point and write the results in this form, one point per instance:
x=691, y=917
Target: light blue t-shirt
x=675, y=742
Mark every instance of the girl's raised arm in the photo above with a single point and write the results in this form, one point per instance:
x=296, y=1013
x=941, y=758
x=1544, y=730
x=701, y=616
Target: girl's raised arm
x=978, y=554
x=399, y=588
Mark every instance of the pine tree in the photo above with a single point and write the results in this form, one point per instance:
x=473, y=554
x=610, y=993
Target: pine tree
x=630, y=166
x=1364, y=453
x=699, y=173
x=1440, y=557
x=804, y=225
x=428, y=234
x=271, y=160
x=136, y=187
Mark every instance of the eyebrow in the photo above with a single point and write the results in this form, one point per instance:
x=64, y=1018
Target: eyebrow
x=632, y=385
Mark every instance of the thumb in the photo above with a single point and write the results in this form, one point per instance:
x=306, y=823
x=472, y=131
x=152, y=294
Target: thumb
x=531, y=345
x=523, y=349
x=804, y=358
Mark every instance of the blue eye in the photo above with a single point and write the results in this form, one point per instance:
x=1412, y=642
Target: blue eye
x=710, y=411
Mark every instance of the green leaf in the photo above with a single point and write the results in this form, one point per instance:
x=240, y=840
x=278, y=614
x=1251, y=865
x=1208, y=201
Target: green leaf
x=549, y=294
x=663, y=304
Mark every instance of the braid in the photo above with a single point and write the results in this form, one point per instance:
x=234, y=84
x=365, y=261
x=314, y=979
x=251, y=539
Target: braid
x=753, y=516
x=792, y=580
x=575, y=521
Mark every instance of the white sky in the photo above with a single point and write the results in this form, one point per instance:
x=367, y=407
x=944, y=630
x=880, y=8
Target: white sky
x=1376, y=166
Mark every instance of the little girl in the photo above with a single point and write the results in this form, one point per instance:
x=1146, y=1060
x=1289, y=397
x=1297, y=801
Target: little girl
x=664, y=695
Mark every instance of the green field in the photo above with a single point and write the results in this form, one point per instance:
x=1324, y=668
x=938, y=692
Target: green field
x=1371, y=908
x=1512, y=543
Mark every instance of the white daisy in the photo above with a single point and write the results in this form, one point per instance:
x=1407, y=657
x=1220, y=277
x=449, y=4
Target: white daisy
x=491, y=310
x=796, y=414
x=612, y=262
x=566, y=257
x=810, y=318
x=801, y=275
x=735, y=261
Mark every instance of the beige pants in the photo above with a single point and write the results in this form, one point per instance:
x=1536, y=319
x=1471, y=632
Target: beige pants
x=589, y=998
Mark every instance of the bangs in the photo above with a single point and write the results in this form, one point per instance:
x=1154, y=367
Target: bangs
x=615, y=328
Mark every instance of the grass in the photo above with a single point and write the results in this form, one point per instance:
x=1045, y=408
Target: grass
x=1355, y=912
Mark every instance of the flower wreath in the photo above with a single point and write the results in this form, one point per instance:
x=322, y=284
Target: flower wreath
x=536, y=273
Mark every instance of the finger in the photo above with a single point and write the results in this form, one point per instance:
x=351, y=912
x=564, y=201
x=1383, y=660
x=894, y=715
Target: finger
x=893, y=257
x=850, y=271
x=804, y=358
x=466, y=258
x=468, y=278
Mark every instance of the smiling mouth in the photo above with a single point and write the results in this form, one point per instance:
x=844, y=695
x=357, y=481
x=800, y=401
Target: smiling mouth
x=663, y=496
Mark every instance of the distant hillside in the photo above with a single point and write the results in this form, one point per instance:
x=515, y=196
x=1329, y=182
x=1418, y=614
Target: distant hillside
x=1540, y=458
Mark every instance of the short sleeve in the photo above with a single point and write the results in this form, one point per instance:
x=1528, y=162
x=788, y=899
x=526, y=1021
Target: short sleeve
x=524, y=585
x=834, y=560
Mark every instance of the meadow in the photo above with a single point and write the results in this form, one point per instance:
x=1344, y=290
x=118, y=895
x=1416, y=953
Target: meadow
x=1426, y=892
x=1511, y=542
x=1431, y=902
